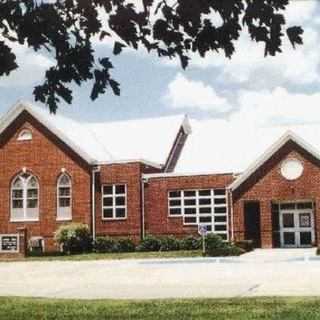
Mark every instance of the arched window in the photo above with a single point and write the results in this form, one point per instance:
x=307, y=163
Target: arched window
x=64, y=198
x=25, y=134
x=24, y=198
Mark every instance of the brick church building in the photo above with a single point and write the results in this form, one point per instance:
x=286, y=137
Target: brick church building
x=154, y=176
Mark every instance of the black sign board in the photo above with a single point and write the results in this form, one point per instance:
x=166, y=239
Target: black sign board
x=9, y=243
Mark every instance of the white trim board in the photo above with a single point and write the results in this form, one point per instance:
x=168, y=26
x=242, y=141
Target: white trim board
x=186, y=174
x=146, y=162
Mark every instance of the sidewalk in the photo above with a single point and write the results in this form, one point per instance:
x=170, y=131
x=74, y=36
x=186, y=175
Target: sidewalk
x=278, y=255
x=254, y=274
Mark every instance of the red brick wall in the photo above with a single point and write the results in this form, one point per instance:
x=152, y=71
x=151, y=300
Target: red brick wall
x=44, y=156
x=267, y=185
x=130, y=175
x=157, y=220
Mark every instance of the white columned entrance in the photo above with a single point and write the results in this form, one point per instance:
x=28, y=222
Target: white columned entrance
x=296, y=225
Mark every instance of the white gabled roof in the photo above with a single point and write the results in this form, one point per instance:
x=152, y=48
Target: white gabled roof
x=69, y=131
x=288, y=136
x=146, y=140
x=217, y=146
x=213, y=147
x=150, y=139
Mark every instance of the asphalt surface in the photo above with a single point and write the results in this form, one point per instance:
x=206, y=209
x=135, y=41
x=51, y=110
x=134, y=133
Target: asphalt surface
x=261, y=273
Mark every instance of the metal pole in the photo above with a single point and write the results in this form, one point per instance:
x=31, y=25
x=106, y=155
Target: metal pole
x=203, y=245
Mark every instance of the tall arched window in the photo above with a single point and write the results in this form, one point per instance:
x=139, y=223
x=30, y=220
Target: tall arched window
x=64, y=198
x=24, y=198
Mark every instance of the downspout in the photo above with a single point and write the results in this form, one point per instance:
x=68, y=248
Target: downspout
x=93, y=201
x=143, y=181
x=231, y=214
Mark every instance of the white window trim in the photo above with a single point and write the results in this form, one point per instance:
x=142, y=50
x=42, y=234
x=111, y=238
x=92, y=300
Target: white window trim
x=197, y=207
x=22, y=132
x=24, y=220
x=64, y=219
x=114, y=203
x=24, y=199
x=58, y=197
x=181, y=198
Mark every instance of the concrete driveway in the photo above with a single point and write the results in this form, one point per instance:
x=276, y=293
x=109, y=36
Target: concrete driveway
x=288, y=274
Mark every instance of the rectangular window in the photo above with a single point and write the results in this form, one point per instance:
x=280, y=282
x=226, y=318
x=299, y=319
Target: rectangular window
x=206, y=206
x=114, y=201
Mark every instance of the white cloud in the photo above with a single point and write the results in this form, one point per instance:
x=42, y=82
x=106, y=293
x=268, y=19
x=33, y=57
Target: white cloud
x=298, y=12
x=262, y=118
x=294, y=66
x=32, y=66
x=185, y=93
x=276, y=108
x=248, y=64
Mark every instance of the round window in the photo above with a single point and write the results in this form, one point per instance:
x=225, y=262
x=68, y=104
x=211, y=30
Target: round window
x=291, y=169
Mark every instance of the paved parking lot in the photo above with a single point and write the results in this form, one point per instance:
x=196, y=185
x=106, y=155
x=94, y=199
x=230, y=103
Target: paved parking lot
x=255, y=274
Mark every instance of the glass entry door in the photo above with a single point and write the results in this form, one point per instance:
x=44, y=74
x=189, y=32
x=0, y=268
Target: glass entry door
x=296, y=228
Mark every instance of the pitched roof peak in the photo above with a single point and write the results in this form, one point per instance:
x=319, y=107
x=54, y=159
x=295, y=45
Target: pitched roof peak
x=287, y=136
x=108, y=142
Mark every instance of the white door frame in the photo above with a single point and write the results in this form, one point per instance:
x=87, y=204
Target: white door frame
x=296, y=229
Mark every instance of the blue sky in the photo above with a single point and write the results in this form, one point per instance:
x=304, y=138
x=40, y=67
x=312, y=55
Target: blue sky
x=267, y=91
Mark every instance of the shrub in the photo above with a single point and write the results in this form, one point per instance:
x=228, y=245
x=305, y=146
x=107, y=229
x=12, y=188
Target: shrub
x=246, y=245
x=216, y=247
x=126, y=245
x=169, y=243
x=105, y=245
x=149, y=243
x=74, y=238
x=191, y=243
x=230, y=250
x=318, y=251
x=46, y=254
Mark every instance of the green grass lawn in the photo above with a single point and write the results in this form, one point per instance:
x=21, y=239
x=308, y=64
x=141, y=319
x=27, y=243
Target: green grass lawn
x=117, y=256
x=228, y=309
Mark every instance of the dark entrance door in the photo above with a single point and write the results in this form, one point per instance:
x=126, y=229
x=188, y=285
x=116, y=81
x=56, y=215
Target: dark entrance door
x=252, y=222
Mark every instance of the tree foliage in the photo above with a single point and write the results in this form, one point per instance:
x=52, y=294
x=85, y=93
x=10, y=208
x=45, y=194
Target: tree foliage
x=67, y=29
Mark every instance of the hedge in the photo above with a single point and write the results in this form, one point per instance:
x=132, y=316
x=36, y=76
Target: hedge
x=75, y=238
x=108, y=245
x=149, y=243
x=216, y=247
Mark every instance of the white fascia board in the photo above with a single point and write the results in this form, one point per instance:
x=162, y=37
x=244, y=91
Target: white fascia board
x=10, y=115
x=20, y=106
x=179, y=174
x=124, y=161
x=186, y=125
x=289, y=135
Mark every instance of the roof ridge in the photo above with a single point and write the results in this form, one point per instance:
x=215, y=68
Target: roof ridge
x=181, y=115
x=102, y=141
x=36, y=112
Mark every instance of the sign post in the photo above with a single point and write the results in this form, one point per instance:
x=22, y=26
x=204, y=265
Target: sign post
x=202, y=230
